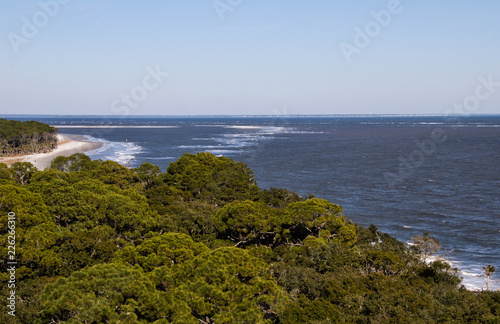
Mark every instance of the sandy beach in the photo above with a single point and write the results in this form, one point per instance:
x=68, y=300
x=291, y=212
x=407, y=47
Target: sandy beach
x=67, y=145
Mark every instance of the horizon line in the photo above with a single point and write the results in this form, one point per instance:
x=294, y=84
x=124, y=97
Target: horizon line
x=249, y=115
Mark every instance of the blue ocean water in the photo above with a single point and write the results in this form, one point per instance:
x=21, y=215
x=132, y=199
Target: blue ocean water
x=406, y=175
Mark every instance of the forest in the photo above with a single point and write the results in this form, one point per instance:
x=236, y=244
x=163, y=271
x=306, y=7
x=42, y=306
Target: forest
x=97, y=242
x=25, y=138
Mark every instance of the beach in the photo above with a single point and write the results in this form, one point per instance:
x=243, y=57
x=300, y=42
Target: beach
x=67, y=145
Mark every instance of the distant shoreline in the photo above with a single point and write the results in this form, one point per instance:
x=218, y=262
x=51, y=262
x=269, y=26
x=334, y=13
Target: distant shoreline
x=250, y=116
x=66, y=145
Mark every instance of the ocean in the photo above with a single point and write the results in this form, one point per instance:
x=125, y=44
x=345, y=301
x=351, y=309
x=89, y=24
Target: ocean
x=405, y=174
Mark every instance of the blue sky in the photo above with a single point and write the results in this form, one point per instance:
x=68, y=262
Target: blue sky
x=249, y=57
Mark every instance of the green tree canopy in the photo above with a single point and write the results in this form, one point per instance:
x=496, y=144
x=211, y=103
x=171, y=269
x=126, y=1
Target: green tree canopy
x=319, y=217
x=97, y=242
x=247, y=222
x=227, y=285
x=163, y=250
x=149, y=174
x=218, y=180
x=75, y=162
x=22, y=172
x=103, y=293
x=27, y=137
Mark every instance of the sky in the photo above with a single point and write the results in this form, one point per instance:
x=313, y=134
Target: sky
x=249, y=57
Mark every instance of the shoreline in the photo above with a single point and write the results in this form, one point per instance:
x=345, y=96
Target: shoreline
x=472, y=281
x=66, y=145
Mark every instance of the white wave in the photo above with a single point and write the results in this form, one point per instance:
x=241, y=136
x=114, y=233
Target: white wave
x=110, y=126
x=207, y=125
x=246, y=136
x=246, y=127
x=260, y=129
x=305, y=132
x=477, y=282
x=221, y=152
x=434, y=258
x=266, y=130
x=237, y=142
x=470, y=274
x=204, y=147
x=161, y=158
x=474, y=278
x=121, y=152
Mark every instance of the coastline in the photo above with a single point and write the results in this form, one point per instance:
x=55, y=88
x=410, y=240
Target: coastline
x=66, y=145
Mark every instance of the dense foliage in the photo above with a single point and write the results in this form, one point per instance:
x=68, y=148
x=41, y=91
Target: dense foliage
x=27, y=137
x=202, y=243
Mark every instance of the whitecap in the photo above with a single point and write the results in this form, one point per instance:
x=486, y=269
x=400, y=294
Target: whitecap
x=111, y=126
x=121, y=152
x=160, y=158
x=245, y=127
x=221, y=151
